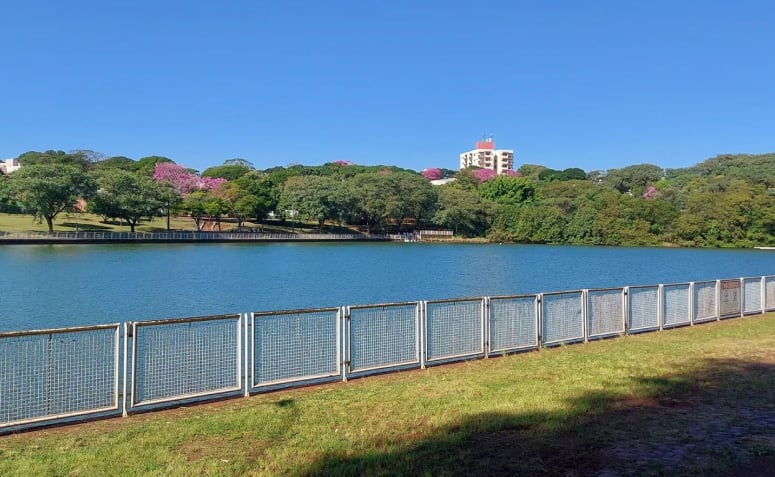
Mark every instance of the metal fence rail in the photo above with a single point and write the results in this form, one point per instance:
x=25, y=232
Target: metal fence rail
x=563, y=317
x=32, y=237
x=381, y=337
x=53, y=374
x=454, y=329
x=185, y=358
x=605, y=312
x=513, y=323
x=294, y=346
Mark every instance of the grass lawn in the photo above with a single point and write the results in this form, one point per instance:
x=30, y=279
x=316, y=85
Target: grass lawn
x=83, y=222
x=692, y=401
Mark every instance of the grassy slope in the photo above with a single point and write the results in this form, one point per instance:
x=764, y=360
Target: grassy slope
x=697, y=400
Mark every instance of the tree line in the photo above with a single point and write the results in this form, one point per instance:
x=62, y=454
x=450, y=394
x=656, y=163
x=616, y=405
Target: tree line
x=725, y=201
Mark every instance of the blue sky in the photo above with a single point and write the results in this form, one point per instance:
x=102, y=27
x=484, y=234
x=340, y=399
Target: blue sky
x=592, y=84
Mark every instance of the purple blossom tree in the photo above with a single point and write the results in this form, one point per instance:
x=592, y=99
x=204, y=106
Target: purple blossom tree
x=182, y=180
x=432, y=173
x=484, y=175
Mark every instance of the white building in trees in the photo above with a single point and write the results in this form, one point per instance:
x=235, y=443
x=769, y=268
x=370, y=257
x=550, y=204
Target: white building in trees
x=487, y=157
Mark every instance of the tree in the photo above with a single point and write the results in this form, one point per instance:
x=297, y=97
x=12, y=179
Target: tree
x=415, y=198
x=310, y=196
x=463, y=211
x=508, y=190
x=197, y=206
x=229, y=172
x=639, y=176
x=147, y=165
x=240, y=202
x=432, y=173
x=264, y=189
x=77, y=159
x=127, y=196
x=116, y=162
x=182, y=179
x=46, y=189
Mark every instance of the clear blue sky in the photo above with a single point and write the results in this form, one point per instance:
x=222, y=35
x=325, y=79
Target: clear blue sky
x=592, y=84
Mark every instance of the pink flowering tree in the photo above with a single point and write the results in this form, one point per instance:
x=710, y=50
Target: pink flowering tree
x=183, y=180
x=343, y=163
x=651, y=192
x=484, y=175
x=432, y=173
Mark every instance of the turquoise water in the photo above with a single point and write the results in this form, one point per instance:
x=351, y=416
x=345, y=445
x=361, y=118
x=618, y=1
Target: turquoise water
x=51, y=286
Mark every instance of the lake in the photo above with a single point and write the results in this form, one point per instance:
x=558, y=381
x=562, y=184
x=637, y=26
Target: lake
x=52, y=286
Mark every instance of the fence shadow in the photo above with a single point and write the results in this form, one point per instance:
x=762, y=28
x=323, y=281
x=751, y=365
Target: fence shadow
x=717, y=420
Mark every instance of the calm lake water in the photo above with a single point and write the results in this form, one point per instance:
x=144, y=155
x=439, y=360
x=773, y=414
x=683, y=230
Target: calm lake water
x=51, y=286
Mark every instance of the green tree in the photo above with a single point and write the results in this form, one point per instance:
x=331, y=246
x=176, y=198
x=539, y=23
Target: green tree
x=128, y=196
x=634, y=178
x=76, y=159
x=508, y=190
x=416, y=198
x=311, y=196
x=463, y=211
x=46, y=189
x=198, y=205
x=240, y=202
x=147, y=165
x=230, y=172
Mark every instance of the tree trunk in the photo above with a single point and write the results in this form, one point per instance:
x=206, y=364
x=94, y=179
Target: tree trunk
x=50, y=223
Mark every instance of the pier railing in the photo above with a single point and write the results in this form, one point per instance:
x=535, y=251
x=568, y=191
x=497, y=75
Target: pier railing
x=73, y=374
x=142, y=237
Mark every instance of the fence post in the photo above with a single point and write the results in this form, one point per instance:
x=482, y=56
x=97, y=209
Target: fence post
x=763, y=295
x=486, y=326
x=423, y=333
x=124, y=412
x=540, y=319
x=691, y=303
x=626, y=310
x=661, y=306
x=344, y=343
x=585, y=313
x=246, y=354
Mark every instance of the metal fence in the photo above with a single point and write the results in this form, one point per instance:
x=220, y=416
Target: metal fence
x=53, y=376
x=65, y=237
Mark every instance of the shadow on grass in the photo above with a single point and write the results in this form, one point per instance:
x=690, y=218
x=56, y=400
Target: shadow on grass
x=719, y=420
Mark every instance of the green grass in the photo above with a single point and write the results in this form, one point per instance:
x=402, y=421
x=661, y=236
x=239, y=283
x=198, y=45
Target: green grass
x=83, y=222
x=689, y=401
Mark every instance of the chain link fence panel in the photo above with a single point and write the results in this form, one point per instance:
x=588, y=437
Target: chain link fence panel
x=454, y=329
x=513, y=323
x=294, y=346
x=381, y=337
x=54, y=374
x=185, y=358
x=562, y=316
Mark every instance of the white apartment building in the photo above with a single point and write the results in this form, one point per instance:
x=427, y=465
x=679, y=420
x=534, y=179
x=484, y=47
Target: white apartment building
x=487, y=157
x=9, y=165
